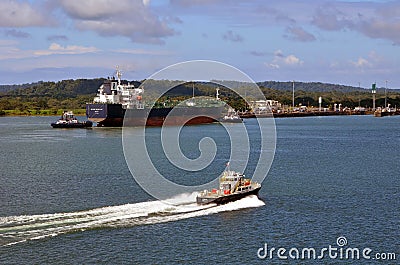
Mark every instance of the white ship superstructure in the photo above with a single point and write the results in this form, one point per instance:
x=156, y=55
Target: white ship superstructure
x=114, y=92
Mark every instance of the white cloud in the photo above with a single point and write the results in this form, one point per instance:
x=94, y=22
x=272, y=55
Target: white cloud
x=9, y=50
x=361, y=62
x=373, y=19
x=376, y=20
x=281, y=60
x=20, y=14
x=334, y=64
x=187, y=3
x=70, y=49
x=8, y=42
x=330, y=18
x=273, y=66
x=278, y=53
x=143, y=52
x=375, y=57
x=292, y=60
x=372, y=60
x=380, y=29
x=299, y=34
x=95, y=9
x=130, y=18
x=12, y=52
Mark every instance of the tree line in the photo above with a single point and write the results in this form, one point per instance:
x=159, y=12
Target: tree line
x=49, y=97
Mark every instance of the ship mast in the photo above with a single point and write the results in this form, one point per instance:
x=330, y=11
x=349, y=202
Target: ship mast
x=118, y=72
x=228, y=166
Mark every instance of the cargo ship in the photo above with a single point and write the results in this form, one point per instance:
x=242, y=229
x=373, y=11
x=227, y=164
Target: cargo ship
x=118, y=104
x=232, y=186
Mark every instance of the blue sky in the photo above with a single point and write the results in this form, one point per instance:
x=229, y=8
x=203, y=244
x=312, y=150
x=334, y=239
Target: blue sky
x=342, y=42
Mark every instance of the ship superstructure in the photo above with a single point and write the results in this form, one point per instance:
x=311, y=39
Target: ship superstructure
x=114, y=92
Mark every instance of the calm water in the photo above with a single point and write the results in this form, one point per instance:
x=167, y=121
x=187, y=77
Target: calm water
x=67, y=196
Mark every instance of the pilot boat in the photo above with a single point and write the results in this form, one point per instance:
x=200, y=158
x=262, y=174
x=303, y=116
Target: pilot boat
x=232, y=186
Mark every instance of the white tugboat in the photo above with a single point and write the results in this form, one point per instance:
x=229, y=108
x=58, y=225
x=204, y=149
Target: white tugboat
x=232, y=186
x=231, y=117
x=68, y=120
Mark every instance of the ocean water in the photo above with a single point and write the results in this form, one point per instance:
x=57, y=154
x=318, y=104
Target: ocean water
x=68, y=197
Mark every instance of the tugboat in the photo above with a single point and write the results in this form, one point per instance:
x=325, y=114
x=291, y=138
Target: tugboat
x=231, y=117
x=232, y=186
x=68, y=120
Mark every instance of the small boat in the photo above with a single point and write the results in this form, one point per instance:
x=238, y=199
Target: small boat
x=384, y=112
x=232, y=186
x=231, y=117
x=68, y=120
x=387, y=111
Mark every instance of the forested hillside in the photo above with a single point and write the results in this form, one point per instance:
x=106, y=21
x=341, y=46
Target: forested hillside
x=50, y=97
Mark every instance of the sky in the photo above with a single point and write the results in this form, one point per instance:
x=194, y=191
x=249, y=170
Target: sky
x=352, y=43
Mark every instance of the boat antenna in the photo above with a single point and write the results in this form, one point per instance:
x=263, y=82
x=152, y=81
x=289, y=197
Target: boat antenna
x=228, y=166
x=386, y=94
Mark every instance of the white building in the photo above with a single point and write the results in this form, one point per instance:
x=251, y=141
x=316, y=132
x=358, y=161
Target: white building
x=264, y=105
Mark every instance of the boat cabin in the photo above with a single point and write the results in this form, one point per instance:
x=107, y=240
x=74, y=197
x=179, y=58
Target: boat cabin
x=231, y=182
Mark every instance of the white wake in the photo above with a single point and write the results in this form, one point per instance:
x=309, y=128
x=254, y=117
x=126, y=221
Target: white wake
x=18, y=229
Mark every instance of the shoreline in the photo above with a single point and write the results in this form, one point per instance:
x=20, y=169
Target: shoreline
x=82, y=112
x=45, y=112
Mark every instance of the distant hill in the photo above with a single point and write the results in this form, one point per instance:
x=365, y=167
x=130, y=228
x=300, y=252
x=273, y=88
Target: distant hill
x=61, y=89
x=6, y=88
x=74, y=94
x=309, y=86
x=76, y=87
x=317, y=87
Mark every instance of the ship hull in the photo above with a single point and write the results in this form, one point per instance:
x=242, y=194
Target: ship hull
x=226, y=198
x=113, y=115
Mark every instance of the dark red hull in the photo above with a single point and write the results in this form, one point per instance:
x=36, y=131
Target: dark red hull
x=113, y=115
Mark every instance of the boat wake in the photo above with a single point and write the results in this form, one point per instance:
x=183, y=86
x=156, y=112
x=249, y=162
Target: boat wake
x=19, y=229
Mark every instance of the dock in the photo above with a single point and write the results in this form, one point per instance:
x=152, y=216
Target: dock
x=247, y=115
